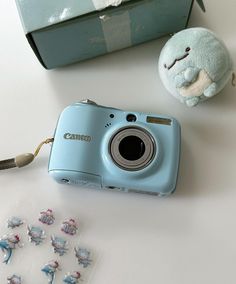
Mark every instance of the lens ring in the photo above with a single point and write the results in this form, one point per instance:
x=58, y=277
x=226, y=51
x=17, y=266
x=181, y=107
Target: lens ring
x=144, y=160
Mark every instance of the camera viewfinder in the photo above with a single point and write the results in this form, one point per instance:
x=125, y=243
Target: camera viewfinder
x=131, y=118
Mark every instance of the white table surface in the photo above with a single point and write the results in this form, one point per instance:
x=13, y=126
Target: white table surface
x=186, y=238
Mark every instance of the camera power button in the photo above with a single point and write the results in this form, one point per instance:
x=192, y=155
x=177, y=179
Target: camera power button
x=87, y=101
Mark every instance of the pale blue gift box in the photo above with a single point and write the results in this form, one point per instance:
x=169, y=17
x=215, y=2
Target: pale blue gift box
x=66, y=31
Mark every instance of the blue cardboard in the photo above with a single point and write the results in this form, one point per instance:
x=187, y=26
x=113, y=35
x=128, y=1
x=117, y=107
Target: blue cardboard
x=66, y=31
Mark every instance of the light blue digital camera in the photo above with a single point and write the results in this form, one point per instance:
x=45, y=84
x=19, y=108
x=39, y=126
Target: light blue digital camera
x=103, y=147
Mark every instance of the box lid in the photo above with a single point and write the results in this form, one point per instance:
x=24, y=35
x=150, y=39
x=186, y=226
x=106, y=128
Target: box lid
x=38, y=14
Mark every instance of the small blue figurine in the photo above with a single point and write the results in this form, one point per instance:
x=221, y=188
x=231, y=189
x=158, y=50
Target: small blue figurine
x=72, y=278
x=7, y=244
x=50, y=270
x=14, y=279
x=14, y=222
x=195, y=65
x=46, y=217
x=59, y=245
x=83, y=257
x=36, y=235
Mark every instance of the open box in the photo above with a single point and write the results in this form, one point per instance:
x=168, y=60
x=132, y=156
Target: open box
x=66, y=31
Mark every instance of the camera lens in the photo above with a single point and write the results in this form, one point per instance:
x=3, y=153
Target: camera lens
x=131, y=118
x=132, y=148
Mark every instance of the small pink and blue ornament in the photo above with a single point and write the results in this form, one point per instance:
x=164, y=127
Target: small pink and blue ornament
x=14, y=279
x=47, y=217
x=60, y=245
x=7, y=244
x=83, y=257
x=50, y=270
x=72, y=278
x=36, y=234
x=14, y=222
x=69, y=227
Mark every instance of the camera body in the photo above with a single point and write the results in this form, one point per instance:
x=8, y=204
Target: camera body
x=103, y=147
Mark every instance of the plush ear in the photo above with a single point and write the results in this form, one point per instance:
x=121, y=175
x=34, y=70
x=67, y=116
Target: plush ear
x=195, y=65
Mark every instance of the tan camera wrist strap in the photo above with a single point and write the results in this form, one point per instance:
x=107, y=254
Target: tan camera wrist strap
x=24, y=159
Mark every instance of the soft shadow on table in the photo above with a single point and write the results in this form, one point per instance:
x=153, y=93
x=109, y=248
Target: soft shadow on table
x=224, y=102
x=207, y=160
x=110, y=76
x=186, y=177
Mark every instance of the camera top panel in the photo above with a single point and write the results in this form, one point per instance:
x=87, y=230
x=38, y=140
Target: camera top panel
x=128, y=116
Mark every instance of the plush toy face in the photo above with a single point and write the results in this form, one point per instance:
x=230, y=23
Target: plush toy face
x=194, y=65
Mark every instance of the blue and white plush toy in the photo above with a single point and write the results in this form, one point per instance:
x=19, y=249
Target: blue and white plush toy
x=195, y=65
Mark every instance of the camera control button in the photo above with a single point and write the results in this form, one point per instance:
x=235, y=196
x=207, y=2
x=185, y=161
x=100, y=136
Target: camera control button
x=87, y=101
